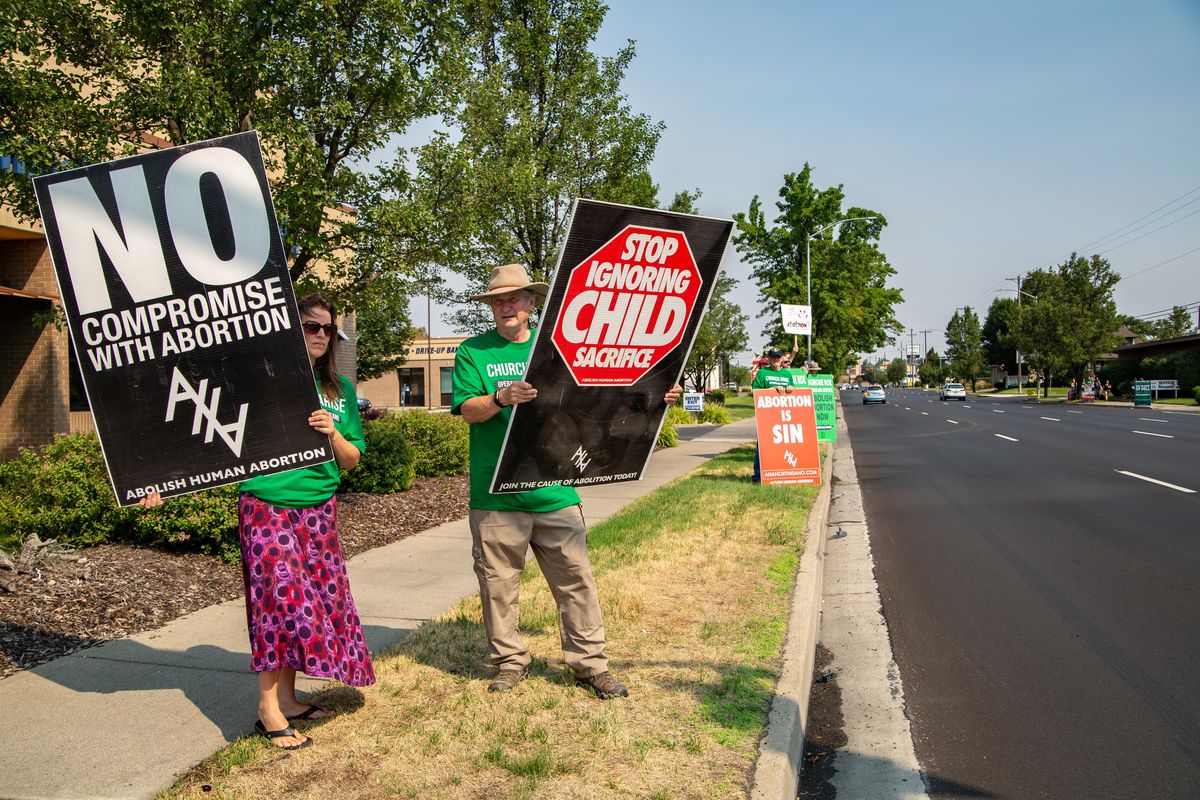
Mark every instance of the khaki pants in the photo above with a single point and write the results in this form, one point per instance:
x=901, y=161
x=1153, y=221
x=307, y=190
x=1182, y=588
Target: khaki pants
x=500, y=541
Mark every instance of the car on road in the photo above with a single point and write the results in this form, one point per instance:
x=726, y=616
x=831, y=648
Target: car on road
x=874, y=394
x=953, y=391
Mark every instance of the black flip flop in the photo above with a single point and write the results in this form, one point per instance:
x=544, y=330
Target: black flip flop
x=308, y=712
x=280, y=734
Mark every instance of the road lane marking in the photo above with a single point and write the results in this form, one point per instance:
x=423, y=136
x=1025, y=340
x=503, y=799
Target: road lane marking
x=924, y=413
x=952, y=422
x=1147, y=419
x=1026, y=406
x=1185, y=413
x=1160, y=483
x=1159, y=435
x=997, y=411
x=1002, y=436
x=1052, y=419
x=1074, y=412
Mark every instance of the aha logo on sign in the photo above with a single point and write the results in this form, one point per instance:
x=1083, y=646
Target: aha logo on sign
x=626, y=306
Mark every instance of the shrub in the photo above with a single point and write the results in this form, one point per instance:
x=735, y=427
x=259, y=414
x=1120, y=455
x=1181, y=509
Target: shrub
x=205, y=522
x=715, y=396
x=387, y=466
x=1196, y=394
x=60, y=492
x=668, y=436
x=677, y=416
x=714, y=413
x=438, y=442
x=63, y=492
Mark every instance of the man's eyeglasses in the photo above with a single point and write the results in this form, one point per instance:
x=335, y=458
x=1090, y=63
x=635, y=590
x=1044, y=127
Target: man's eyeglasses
x=314, y=327
x=506, y=300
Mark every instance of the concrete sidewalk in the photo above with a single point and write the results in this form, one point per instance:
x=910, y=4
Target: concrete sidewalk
x=125, y=718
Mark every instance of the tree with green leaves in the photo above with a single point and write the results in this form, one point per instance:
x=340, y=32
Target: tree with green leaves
x=997, y=334
x=543, y=120
x=1073, y=318
x=897, y=371
x=853, y=307
x=323, y=84
x=1178, y=323
x=964, y=346
x=721, y=334
x=931, y=368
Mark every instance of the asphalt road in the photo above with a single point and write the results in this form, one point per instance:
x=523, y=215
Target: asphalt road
x=1041, y=591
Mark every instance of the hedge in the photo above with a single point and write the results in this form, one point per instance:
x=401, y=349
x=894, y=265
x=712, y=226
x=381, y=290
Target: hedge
x=438, y=441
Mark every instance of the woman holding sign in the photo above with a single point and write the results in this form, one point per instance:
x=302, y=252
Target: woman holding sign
x=299, y=611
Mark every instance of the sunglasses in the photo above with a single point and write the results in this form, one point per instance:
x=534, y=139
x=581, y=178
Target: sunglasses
x=314, y=327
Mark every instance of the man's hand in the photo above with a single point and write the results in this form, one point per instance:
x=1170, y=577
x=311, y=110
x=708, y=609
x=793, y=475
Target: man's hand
x=673, y=394
x=517, y=392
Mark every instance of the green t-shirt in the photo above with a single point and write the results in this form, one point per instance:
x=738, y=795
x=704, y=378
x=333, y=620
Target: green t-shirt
x=766, y=378
x=483, y=364
x=310, y=486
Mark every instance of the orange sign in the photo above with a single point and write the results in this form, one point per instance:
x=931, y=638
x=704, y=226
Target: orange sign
x=787, y=436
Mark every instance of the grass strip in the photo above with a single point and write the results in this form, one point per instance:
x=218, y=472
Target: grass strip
x=694, y=580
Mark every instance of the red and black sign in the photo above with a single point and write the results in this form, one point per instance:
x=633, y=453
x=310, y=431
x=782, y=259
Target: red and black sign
x=182, y=317
x=624, y=307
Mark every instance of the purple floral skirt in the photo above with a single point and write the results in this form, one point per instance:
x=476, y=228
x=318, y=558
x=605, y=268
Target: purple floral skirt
x=298, y=605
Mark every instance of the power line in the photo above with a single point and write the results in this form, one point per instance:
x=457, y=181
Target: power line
x=1139, y=219
x=1159, y=264
x=1156, y=230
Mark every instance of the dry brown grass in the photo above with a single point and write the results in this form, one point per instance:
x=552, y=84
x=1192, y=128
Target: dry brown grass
x=694, y=613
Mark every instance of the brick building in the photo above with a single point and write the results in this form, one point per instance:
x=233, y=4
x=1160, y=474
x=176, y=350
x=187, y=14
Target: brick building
x=34, y=359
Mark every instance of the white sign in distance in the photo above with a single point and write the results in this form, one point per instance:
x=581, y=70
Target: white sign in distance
x=796, y=319
x=693, y=401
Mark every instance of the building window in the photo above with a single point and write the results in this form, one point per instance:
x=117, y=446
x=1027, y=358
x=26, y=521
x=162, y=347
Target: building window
x=447, y=379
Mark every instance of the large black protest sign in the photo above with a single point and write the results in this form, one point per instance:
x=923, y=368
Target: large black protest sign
x=182, y=317
x=627, y=298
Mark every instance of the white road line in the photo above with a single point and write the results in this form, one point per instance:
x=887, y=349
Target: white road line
x=1147, y=419
x=924, y=413
x=1185, y=413
x=1007, y=438
x=1026, y=406
x=966, y=406
x=1052, y=419
x=952, y=422
x=997, y=411
x=1074, y=412
x=1160, y=483
x=1159, y=435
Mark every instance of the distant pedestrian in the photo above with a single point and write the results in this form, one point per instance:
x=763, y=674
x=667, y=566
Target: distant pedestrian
x=299, y=611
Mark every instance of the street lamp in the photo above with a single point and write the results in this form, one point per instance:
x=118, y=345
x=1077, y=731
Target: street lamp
x=1019, y=292
x=808, y=272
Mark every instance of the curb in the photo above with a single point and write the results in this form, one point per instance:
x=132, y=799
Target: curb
x=777, y=770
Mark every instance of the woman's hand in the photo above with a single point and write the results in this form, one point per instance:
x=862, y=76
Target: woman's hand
x=322, y=422
x=152, y=500
x=672, y=395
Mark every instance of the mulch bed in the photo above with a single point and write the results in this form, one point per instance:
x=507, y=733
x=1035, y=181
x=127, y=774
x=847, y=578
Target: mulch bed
x=133, y=589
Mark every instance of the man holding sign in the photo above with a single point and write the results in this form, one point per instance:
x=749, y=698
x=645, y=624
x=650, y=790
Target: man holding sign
x=489, y=372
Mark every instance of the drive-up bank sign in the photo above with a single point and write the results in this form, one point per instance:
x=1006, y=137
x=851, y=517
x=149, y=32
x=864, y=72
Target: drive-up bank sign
x=627, y=306
x=182, y=317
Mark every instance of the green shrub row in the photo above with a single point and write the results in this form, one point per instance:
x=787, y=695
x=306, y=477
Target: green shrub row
x=63, y=492
x=677, y=416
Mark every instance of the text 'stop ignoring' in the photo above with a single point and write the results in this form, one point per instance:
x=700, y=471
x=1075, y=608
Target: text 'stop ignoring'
x=626, y=306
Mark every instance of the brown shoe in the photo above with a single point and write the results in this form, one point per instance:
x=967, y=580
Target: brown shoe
x=507, y=678
x=604, y=685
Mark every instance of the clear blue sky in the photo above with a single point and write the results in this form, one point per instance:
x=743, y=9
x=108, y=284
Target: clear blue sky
x=996, y=137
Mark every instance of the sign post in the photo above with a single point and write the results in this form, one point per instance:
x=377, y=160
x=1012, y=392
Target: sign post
x=623, y=310
x=787, y=436
x=180, y=309
x=1141, y=394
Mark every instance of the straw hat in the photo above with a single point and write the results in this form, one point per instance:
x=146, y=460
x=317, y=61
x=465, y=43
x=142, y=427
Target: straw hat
x=508, y=279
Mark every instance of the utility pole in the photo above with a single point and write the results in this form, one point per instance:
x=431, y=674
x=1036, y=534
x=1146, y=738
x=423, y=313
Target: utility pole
x=912, y=334
x=1018, y=280
x=925, y=345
